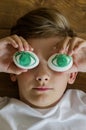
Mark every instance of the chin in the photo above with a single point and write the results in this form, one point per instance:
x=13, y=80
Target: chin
x=41, y=105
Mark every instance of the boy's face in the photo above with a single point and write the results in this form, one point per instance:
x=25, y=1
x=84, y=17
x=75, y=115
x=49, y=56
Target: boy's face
x=42, y=87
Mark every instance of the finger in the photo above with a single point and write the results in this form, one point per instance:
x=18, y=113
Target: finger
x=79, y=46
x=12, y=42
x=75, y=42
x=72, y=69
x=26, y=45
x=16, y=70
x=65, y=45
x=19, y=42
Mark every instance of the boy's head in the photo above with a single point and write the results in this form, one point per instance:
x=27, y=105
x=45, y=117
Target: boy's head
x=44, y=29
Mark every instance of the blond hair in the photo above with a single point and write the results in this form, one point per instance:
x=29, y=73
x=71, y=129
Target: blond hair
x=42, y=22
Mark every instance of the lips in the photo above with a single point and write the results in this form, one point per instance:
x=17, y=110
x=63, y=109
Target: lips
x=42, y=88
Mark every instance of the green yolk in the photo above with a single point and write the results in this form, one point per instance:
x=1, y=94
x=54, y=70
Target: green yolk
x=25, y=59
x=63, y=60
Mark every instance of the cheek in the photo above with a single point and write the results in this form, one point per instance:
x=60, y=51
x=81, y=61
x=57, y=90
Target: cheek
x=60, y=78
x=25, y=83
x=25, y=78
x=60, y=83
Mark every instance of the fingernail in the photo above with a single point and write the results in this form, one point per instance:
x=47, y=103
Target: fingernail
x=25, y=70
x=32, y=49
x=16, y=46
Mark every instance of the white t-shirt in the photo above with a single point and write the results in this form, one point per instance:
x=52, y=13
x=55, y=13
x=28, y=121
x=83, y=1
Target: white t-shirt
x=68, y=114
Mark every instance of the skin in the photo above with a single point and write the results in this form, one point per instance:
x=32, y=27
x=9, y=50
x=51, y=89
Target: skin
x=31, y=81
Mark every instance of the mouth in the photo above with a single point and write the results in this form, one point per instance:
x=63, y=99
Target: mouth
x=42, y=88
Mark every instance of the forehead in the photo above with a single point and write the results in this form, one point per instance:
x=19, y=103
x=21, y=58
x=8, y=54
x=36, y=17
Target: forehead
x=44, y=43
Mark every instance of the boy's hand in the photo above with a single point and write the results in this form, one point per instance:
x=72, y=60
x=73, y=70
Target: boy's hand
x=8, y=46
x=75, y=47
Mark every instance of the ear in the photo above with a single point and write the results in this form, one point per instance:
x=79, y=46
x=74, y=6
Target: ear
x=13, y=77
x=72, y=77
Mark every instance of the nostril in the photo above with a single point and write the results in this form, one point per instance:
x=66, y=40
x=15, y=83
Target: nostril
x=46, y=79
x=39, y=79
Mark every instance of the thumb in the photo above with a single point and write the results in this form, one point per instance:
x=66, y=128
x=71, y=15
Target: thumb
x=72, y=69
x=15, y=70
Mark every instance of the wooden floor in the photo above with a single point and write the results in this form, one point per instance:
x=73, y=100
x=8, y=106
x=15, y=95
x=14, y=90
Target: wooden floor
x=75, y=11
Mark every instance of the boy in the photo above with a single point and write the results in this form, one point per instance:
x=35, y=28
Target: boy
x=44, y=102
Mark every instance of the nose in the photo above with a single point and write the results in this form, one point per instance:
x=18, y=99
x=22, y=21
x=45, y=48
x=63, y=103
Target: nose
x=42, y=75
x=43, y=79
